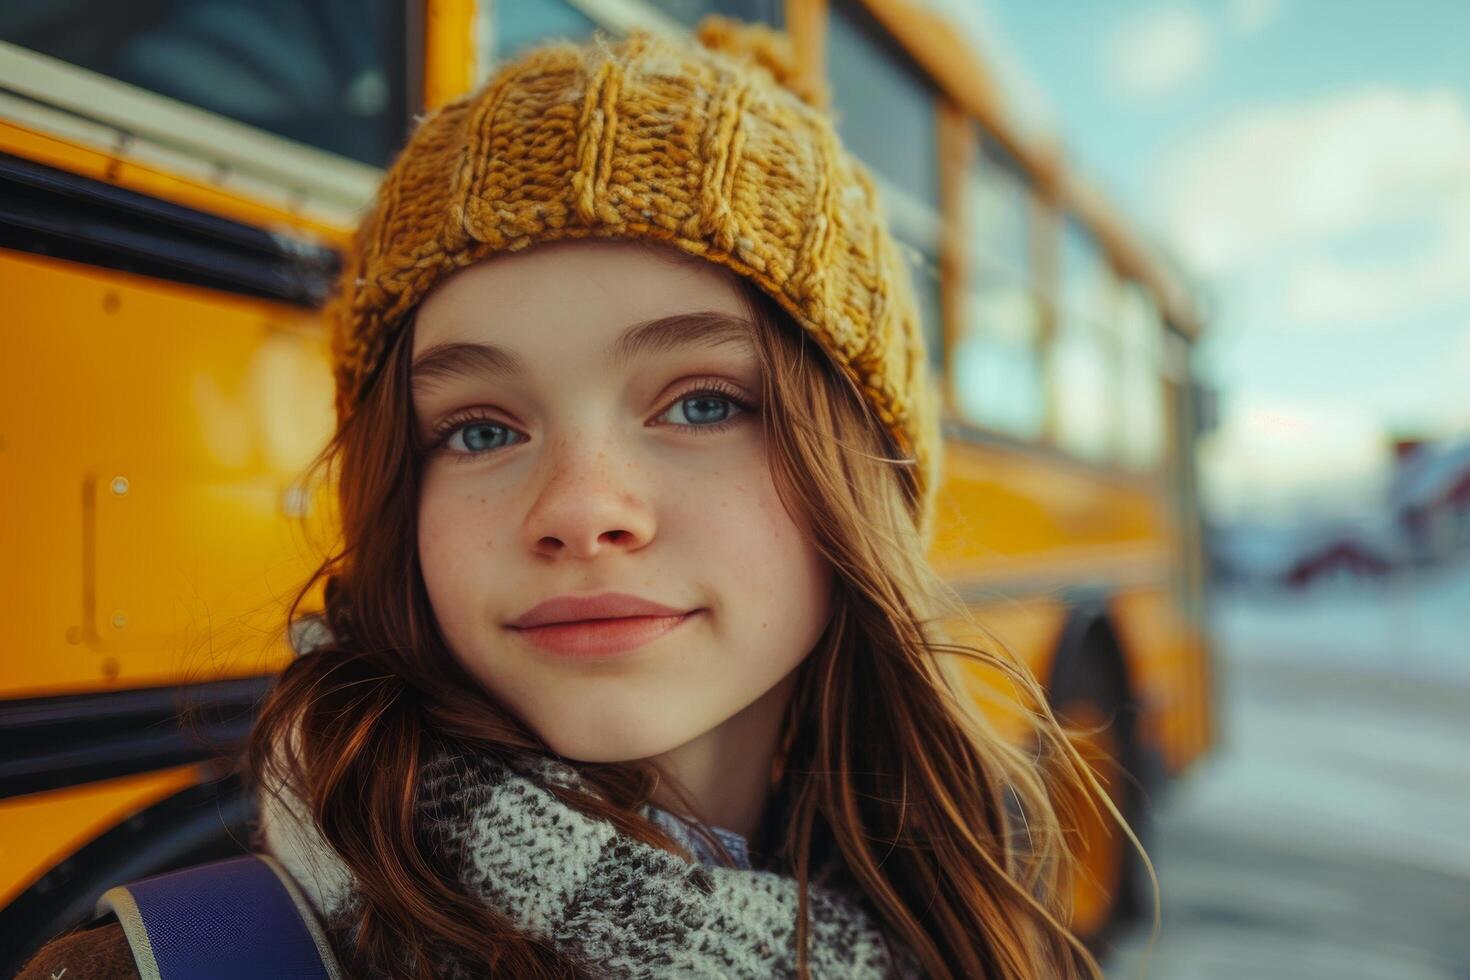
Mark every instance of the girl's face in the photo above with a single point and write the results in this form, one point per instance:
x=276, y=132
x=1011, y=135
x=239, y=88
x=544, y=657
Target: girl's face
x=592, y=408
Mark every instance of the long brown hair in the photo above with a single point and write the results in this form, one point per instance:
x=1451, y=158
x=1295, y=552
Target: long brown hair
x=947, y=829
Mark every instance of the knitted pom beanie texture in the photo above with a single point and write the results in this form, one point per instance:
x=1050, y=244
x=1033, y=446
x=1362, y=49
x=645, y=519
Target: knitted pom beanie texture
x=714, y=148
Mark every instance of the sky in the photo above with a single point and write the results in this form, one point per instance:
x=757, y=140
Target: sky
x=1308, y=161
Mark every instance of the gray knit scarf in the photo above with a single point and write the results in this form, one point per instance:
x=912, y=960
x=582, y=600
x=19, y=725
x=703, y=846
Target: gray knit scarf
x=622, y=907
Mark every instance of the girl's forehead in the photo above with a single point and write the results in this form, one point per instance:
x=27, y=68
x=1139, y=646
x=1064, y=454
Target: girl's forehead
x=586, y=291
x=474, y=360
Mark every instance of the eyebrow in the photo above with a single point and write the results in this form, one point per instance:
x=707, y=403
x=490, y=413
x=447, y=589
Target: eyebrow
x=457, y=359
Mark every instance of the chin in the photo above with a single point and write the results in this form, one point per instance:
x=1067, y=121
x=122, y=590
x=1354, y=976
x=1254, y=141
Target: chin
x=603, y=745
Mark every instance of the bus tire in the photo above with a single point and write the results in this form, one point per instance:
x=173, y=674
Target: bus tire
x=1089, y=692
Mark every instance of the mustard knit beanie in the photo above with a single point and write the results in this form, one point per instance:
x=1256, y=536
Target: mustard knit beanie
x=707, y=147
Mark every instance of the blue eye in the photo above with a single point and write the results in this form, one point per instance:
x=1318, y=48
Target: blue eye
x=708, y=408
x=478, y=437
x=466, y=438
x=703, y=410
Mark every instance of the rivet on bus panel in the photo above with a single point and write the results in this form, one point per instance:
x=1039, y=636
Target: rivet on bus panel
x=119, y=620
x=296, y=501
x=119, y=486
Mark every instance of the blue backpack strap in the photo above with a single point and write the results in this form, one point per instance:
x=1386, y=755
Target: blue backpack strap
x=237, y=919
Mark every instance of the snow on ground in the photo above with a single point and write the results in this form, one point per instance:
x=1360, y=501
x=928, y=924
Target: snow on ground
x=1358, y=692
x=1325, y=837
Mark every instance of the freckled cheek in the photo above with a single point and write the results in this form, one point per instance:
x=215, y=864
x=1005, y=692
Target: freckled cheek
x=743, y=535
x=461, y=540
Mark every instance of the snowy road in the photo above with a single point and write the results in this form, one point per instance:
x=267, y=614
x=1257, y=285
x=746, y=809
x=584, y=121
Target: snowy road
x=1329, y=835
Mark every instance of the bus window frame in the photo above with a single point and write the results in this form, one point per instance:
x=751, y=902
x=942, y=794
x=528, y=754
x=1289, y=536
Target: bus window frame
x=1093, y=319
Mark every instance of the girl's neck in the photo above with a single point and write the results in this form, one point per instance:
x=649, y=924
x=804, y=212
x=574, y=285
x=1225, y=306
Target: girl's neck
x=726, y=771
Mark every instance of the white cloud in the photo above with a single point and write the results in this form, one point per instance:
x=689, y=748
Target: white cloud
x=1271, y=181
x=1158, y=52
x=1343, y=223
x=1324, y=293
x=1251, y=16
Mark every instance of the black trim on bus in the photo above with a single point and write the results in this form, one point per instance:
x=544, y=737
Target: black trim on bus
x=405, y=50
x=53, y=212
x=206, y=822
x=52, y=743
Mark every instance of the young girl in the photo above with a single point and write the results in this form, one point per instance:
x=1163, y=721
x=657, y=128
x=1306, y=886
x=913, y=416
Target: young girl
x=632, y=661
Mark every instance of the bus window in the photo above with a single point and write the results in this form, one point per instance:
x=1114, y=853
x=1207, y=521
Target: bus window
x=1001, y=202
x=691, y=12
x=1087, y=279
x=999, y=383
x=317, y=72
x=996, y=363
x=1084, y=351
x=524, y=23
x=886, y=115
x=1141, y=386
x=528, y=22
x=885, y=107
x=923, y=269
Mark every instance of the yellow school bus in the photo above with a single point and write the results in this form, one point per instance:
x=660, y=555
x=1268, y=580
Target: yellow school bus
x=176, y=179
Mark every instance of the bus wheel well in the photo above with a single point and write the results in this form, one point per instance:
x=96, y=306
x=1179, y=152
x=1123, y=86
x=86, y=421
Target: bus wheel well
x=1090, y=653
x=1090, y=684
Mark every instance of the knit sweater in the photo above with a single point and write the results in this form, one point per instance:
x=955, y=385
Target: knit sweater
x=623, y=907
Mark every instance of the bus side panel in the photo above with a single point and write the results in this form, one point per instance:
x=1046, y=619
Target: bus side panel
x=1023, y=534
x=41, y=829
x=1020, y=630
x=154, y=441
x=1027, y=519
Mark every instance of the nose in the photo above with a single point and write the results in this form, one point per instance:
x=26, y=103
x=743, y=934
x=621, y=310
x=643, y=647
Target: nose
x=588, y=504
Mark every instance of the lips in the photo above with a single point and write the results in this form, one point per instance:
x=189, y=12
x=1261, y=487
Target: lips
x=606, y=605
x=601, y=638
